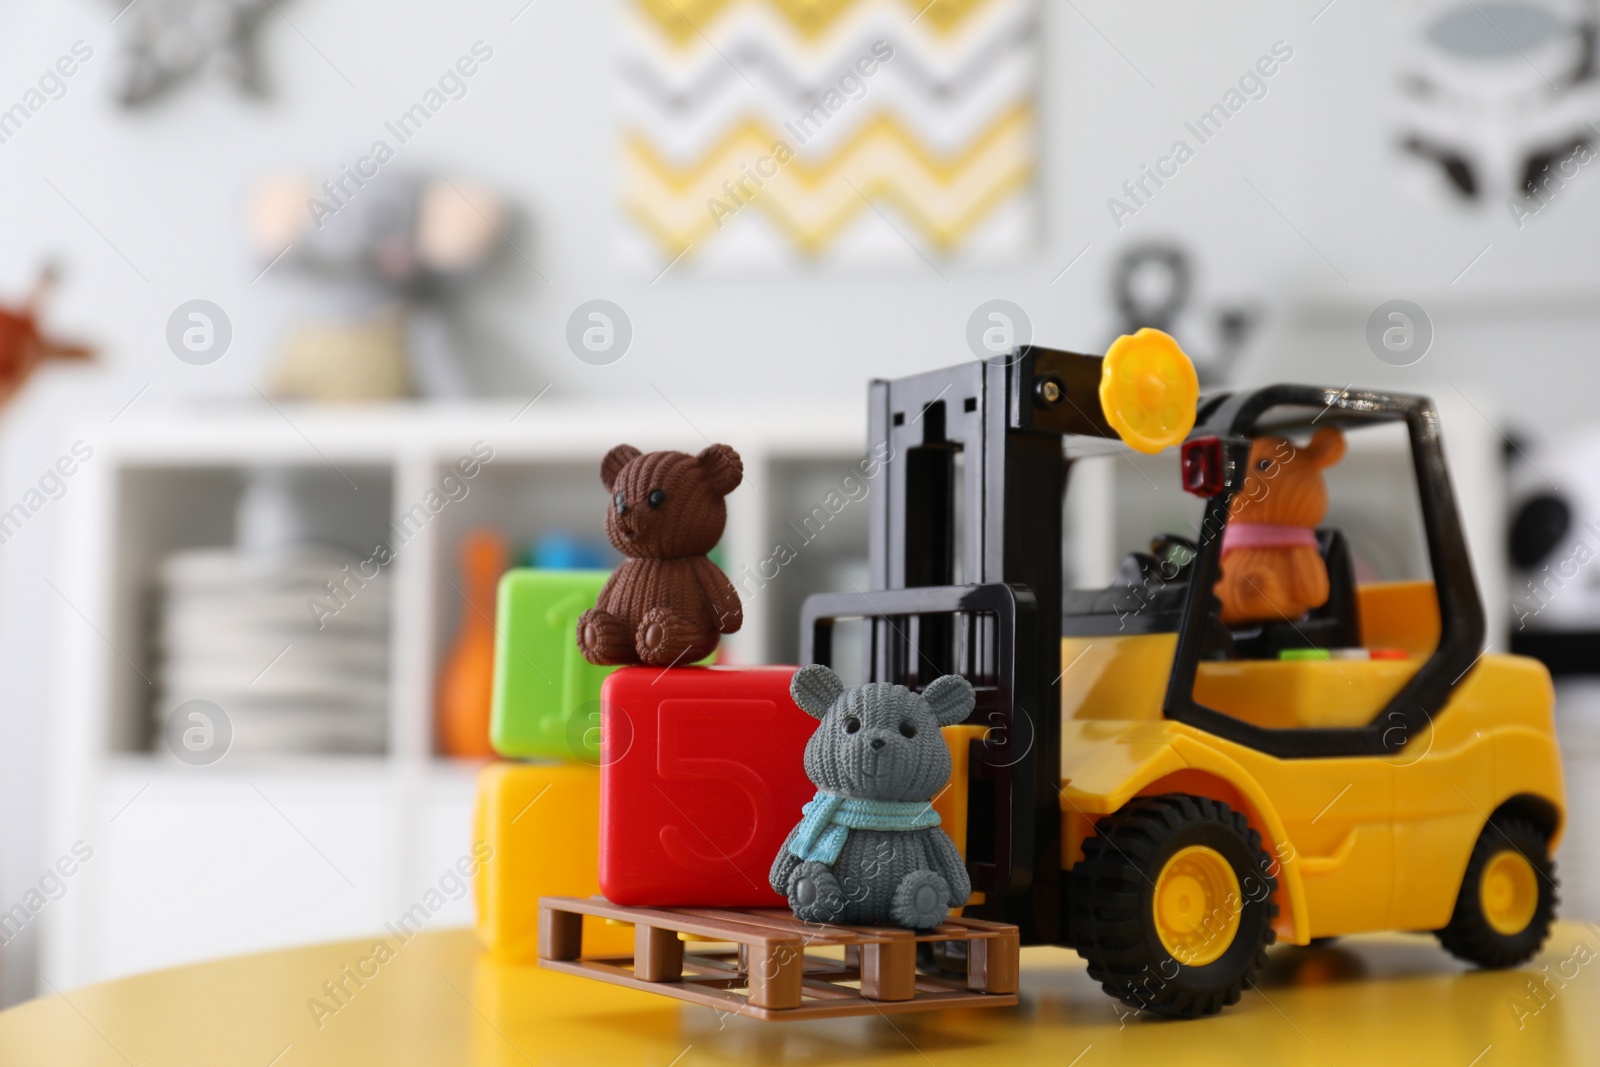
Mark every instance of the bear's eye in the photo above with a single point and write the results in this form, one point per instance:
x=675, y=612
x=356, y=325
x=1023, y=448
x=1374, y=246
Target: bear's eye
x=656, y=498
x=621, y=500
x=1263, y=464
x=908, y=728
x=852, y=724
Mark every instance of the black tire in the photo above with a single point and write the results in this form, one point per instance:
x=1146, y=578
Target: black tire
x=1469, y=935
x=1112, y=899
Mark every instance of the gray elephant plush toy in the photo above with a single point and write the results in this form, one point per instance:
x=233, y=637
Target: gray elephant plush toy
x=869, y=849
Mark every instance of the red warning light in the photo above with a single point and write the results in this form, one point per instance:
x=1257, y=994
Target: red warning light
x=1202, y=466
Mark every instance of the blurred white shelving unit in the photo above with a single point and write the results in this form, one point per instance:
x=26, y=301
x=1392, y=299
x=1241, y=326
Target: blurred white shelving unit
x=259, y=851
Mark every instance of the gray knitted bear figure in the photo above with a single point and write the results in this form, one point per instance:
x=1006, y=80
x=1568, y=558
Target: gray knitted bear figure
x=869, y=849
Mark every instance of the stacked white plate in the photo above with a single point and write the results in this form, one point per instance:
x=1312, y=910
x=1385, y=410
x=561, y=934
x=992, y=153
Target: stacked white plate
x=295, y=666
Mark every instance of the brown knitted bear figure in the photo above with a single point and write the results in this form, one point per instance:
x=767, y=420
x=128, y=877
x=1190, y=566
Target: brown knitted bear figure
x=667, y=603
x=1271, y=567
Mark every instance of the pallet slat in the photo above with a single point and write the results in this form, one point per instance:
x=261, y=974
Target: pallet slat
x=784, y=924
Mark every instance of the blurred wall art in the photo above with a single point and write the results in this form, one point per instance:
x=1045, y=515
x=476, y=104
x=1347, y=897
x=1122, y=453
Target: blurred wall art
x=1499, y=99
x=787, y=133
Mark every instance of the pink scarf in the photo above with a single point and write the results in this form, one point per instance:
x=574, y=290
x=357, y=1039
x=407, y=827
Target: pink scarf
x=1266, y=535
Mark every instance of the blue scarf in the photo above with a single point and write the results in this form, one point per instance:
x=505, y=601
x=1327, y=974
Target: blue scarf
x=829, y=818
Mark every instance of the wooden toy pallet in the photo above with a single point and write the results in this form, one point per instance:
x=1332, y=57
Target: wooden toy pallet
x=770, y=976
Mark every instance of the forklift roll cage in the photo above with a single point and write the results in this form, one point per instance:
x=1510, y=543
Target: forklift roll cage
x=966, y=575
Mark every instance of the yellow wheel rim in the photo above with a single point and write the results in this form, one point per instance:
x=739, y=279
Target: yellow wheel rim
x=1148, y=390
x=1196, y=905
x=1509, y=892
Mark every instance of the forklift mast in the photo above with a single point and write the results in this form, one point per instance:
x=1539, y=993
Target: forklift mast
x=966, y=575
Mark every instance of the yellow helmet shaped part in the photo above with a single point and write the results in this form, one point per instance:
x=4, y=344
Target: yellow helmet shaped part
x=1148, y=390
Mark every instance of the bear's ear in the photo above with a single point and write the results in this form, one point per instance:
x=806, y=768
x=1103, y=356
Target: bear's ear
x=615, y=460
x=1326, y=447
x=815, y=688
x=950, y=697
x=724, y=469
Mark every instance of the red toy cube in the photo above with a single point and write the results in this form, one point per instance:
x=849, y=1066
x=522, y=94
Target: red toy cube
x=702, y=778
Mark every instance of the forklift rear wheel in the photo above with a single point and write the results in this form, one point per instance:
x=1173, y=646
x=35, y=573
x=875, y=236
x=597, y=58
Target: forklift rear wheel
x=1172, y=904
x=1507, y=899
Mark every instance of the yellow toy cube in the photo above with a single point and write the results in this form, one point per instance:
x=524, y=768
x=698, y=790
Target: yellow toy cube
x=542, y=822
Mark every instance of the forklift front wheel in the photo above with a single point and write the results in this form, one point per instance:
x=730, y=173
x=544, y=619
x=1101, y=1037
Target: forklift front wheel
x=1172, y=904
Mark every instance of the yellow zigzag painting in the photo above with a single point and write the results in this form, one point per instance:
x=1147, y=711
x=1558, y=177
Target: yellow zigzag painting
x=755, y=167
x=685, y=21
x=855, y=131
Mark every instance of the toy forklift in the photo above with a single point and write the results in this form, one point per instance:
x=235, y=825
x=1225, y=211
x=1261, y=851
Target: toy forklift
x=1146, y=778
x=1159, y=791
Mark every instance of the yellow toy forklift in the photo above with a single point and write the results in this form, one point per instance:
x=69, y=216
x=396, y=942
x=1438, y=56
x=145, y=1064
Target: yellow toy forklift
x=1149, y=778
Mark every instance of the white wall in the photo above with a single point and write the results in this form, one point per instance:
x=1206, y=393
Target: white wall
x=165, y=190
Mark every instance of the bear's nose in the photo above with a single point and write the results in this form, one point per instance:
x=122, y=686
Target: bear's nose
x=877, y=743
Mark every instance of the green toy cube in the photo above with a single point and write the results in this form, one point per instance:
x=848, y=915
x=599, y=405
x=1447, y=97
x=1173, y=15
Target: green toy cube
x=546, y=695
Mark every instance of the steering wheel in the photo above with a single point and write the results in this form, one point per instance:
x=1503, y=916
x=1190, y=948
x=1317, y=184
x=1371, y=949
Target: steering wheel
x=1175, y=555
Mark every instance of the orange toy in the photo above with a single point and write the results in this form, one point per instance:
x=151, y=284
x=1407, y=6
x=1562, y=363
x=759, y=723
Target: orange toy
x=23, y=347
x=1271, y=567
x=466, y=687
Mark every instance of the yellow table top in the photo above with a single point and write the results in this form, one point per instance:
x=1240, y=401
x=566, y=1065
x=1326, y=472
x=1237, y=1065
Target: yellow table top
x=438, y=1000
